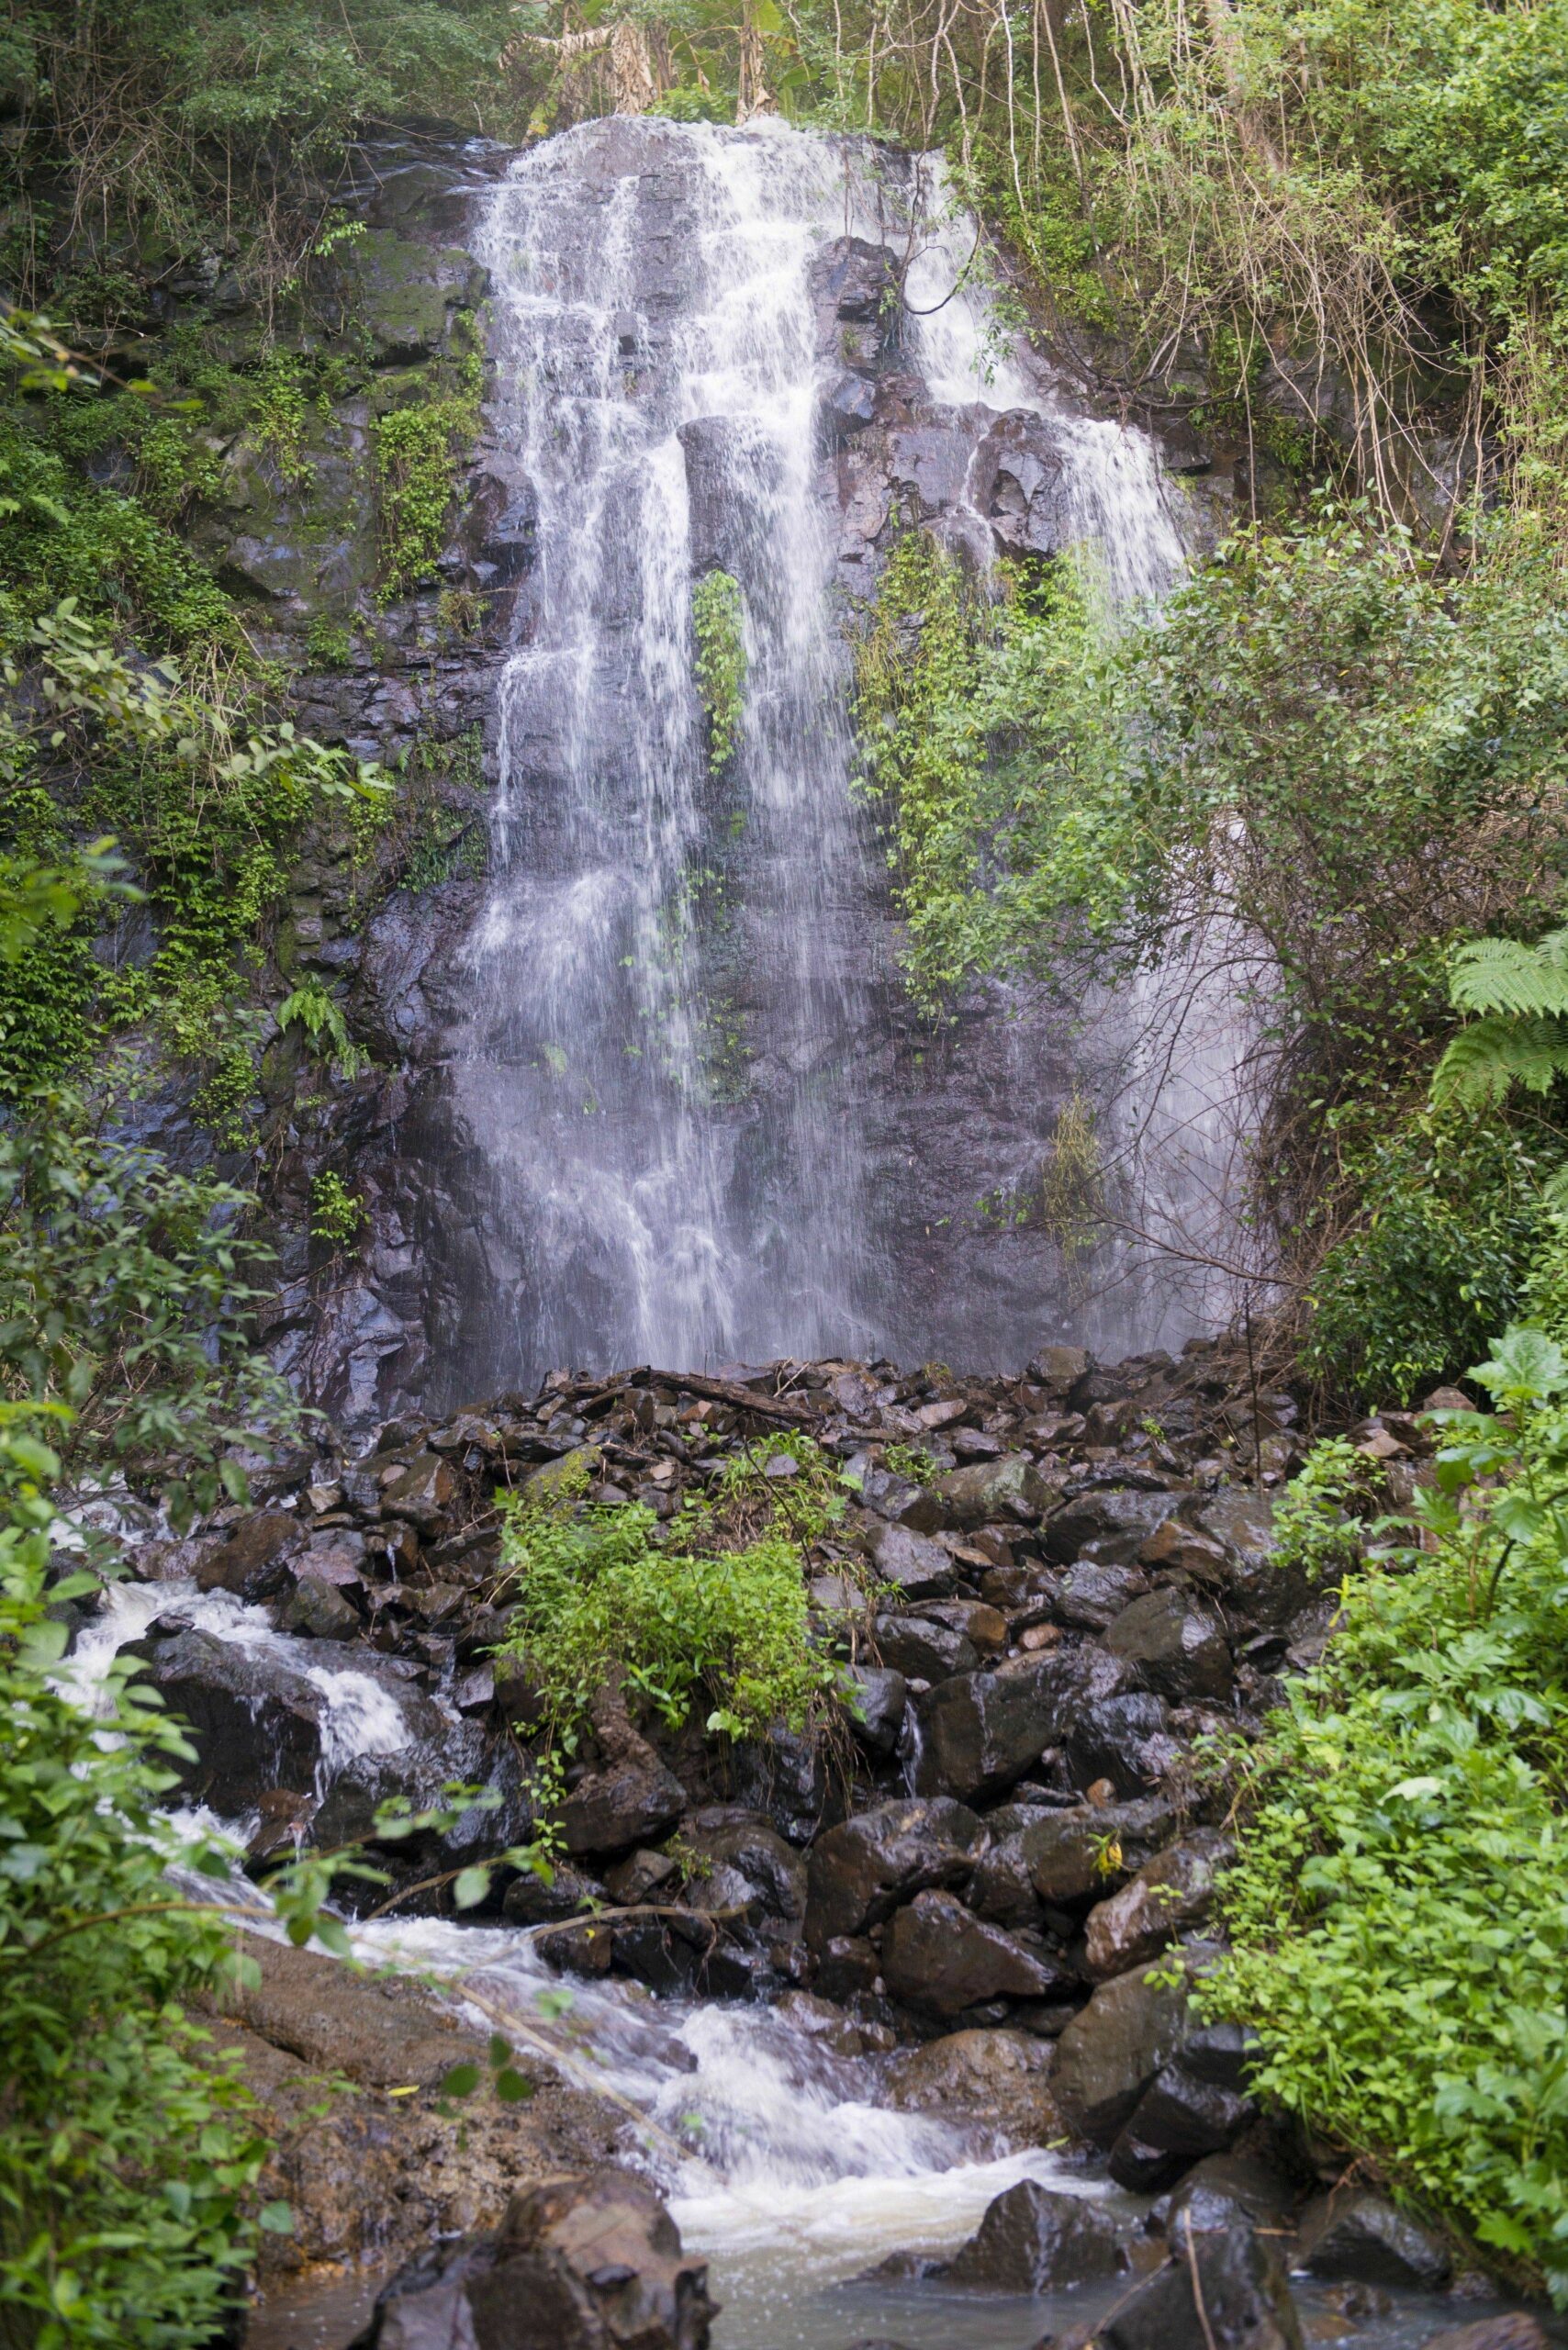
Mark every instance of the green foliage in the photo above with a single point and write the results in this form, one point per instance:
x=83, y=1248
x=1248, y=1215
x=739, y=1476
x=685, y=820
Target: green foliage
x=718, y=623
x=337, y=1214
x=1523, y=1037
x=417, y=451
x=119, y=1286
x=1397, y=1913
x=129, y=2152
x=322, y=1021
x=672, y=1612
x=1317, y=1518
x=1451, y=1217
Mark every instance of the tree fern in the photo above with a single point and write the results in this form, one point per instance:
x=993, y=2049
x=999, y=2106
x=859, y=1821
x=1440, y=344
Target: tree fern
x=1521, y=1038
x=1502, y=975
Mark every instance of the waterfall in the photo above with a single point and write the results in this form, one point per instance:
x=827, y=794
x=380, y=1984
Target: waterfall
x=693, y=1117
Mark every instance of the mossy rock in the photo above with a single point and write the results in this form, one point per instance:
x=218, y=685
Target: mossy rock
x=401, y=296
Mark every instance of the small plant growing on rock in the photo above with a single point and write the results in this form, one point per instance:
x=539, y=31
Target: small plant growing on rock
x=718, y=623
x=316, y=1012
x=337, y=1214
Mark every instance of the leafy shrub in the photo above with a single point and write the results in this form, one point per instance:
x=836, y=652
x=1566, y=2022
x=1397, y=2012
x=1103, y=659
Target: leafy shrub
x=337, y=1214
x=600, y=1591
x=1317, y=1520
x=1397, y=1910
x=1453, y=1218
x=418, y=449
x=129, y=2152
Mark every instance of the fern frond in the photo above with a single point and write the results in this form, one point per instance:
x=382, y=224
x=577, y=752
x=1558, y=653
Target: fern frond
x=1503, y=975
x=1490, y=1056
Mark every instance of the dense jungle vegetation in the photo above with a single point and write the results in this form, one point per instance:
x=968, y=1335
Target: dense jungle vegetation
x=1330, y=236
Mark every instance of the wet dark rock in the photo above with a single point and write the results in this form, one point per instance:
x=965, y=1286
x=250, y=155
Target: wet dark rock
x=938, y=1958
x=1037, y=2239
x=530, y=1901
x=1118, y=1523
x=848, y=405
x=642, y=1877
x=745, y=1864
x=917, y=1567
x=980, y=1731
x=847, y=1965
x=785, y=1775
x=1170, y=1894
x=1090, y=1848
x=1017, y=484
x=248, y=1562
x=880, y=1698
x=855, y=280
x=1354, y=2232
x=920, y=1650
x=1124, y=1737
x=1111, y=2054
x=996, y=2079
x=1225, y=2191
x=1175, y=1644
x=423, y=1494
x=416, y=1774
x=1094, y=1591
x=632, y=1799
x=1002, y=1888
x=319, y=1610
x=586, y=2264
x=1010, y=1486
x=257, y=1720
x=857, y=1873
x=1242, y=1523
x=1178, y=2117
x=900, y=1501
x=1242, y=2302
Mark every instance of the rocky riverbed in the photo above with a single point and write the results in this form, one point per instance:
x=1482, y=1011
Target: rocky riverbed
x=978, y=1903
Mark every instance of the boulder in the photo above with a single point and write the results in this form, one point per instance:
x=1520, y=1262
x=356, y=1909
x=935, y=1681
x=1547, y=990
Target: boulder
x=1175, y=1645
x=1094, y=1591
x=1356, y=2234
x=1242, y=2302
x=743, y=1864
x=940, y=1959
x=529, y=1900
x=848, y=405
x=1117, y=1521
x=1037, y=2239
x=1111, y=2052
x=423, y=1494
x=877, y=1699
x=1195, y=2105
x=259, y=1721
x=416, y=1774
x=632, y=1799
x=577, y=2264
x=857, y=1873
x=1242, y=1523
x=900, y=1501
x=1090, y=1849
x=916, y=1567
x=319, y=1609
x=1009, y=1487
x=996, y=2079
x=1170, y=1893
x=249, y=1560
x=1060, y=1368
x=919, y=1650
x=1225, y=2191
x=980, y=1731
x=1124, y=1737
x=1001, y=1887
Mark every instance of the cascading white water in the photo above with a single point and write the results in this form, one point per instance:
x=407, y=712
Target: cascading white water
x=692, y=1120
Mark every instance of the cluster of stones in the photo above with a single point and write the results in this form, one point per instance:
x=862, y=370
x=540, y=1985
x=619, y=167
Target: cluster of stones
x=994, y=1875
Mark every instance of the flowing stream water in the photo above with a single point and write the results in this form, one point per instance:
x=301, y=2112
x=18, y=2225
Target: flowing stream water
x=695, y=1119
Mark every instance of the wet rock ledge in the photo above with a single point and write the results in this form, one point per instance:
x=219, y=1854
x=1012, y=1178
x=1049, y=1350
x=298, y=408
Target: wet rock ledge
x=994, y=1877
